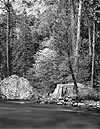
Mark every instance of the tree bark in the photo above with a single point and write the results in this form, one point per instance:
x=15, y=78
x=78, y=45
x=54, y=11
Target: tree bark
x=78, y=35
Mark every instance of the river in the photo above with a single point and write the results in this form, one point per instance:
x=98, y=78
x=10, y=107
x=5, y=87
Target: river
x=27, y=115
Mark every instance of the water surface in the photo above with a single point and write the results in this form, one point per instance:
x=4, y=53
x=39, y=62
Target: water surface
x=27, y=115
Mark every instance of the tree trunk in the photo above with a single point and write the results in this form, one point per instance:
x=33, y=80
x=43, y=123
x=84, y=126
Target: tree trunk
x=8, y=38
x=89, y=31
x=93, y=56
x=72, y=27
x=78, y=35
x=73, y=76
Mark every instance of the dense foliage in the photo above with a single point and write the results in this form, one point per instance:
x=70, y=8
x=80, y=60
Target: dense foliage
x=40, y=42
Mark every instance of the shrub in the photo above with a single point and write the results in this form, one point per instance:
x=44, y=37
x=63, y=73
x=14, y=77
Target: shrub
x=89, y=94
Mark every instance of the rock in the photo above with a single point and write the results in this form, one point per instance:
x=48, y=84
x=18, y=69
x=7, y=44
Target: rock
x=66, y=89
x=81, y=104
x=42, y=102
x=15, y=87
x=57, y=92
x=59, y=103
x=75, y=104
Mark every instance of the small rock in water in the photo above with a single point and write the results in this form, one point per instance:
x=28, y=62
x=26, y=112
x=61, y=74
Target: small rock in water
x=75, y=104
x=42, y=102
x=59, y=103
x=81, y=104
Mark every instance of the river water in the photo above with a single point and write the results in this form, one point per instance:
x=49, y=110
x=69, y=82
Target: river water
x=20, y=115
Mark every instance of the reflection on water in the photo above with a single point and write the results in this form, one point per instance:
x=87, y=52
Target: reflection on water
x=35, y=116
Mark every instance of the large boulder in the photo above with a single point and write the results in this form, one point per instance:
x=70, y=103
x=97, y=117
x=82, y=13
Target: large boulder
x=15, y=87
x=66, y=89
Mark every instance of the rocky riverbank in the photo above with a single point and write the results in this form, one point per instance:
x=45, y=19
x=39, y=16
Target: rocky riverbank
x=19, y=88
x=70, y=102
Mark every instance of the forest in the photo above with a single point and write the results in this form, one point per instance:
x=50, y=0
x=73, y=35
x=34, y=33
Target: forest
x=51, y=42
